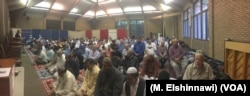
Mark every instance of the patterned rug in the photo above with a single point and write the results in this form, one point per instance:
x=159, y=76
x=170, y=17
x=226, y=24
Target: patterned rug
x=47, y=78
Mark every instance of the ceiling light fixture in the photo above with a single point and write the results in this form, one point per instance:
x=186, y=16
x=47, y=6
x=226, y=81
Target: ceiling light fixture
x=165, y=7
x=24, y=2
x=74, y=10
x=37, y=8
x=152, y=12
x=167, y=1
x=115, y=10
x=57, y=6
x=106, y=2
x=43, y=5
x=101, y=12
x=75, y=14
x=28, y=3
x=90, y=13
x=148, y=8
x=132, y=9
x=133, y=12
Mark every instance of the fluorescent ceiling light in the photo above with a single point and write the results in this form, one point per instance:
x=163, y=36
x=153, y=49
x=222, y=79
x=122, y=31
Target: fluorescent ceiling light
x=101, y=16
x=24, y=2
x=148, y=8
x=94, y=0
x=37, y=8
x=116, y=14
x=101, y=12
x=132, y=9
x=75, y=14
x=167, y=1
x=107, y=1
x=74, y=10
x=164, y=7
x=57, y=6
x=28, y=3
x=98, y=0
x=87, y=16
x=133, y=12
x=115, y=10
x=43, y=4
x=152, y=12
x=90, y=13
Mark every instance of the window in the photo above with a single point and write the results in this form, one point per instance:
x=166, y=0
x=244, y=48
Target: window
x=121, y=24
x=53, y=24
x=68, y=25
x=200, y=19
x=136, y=28
x=186, y=28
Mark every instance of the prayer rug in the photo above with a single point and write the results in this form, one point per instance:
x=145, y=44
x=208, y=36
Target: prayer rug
x=46, y=78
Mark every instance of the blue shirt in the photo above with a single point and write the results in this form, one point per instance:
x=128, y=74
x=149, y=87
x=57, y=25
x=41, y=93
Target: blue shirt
x=139, y=47
x=121, y=47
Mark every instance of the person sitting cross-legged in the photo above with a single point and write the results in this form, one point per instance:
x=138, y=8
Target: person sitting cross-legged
x=109, y=80
x=66, y=84
x=42, y=57
x=90, y=77
x=72, y=65
x=130, y=61
x=150, y=67
x=134, y=85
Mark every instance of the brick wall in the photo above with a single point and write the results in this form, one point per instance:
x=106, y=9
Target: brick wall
x=231, y=19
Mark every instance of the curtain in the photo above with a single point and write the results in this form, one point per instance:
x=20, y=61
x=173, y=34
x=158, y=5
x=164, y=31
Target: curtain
x=46, y=34
x=171, y=26
x=36, y=33
x=104, y=34
x=63, y=34
x=26, y=34
x=121, y=33
x=55, y=34
x=88, y=34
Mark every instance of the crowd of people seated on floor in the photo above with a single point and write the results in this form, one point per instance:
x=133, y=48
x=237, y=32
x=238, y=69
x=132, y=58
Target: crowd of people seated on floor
x=115, y=67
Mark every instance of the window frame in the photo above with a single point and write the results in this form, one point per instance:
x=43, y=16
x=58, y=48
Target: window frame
x=198, y=17
x=186, y=27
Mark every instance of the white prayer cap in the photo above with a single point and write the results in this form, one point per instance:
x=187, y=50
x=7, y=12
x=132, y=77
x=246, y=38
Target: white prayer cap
x=199, y=52
x=131, y=70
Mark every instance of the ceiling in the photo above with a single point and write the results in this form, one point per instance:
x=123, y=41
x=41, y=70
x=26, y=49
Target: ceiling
x=98, y=8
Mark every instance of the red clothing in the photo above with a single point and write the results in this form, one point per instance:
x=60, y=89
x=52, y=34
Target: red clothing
x=150, y=69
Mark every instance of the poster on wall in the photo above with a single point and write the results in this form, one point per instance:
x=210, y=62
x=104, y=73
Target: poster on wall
x=14, y=31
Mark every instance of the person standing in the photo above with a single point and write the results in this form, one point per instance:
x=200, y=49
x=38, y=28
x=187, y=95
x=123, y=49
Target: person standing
x=139, y=48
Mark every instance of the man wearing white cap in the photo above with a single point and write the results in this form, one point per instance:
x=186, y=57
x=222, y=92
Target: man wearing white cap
x=199, y=70
x=133, y=86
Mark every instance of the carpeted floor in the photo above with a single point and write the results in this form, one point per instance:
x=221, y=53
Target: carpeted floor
x=46, y=79
x=32, y=83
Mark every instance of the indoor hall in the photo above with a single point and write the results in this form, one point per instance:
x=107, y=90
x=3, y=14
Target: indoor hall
x=44, y=41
